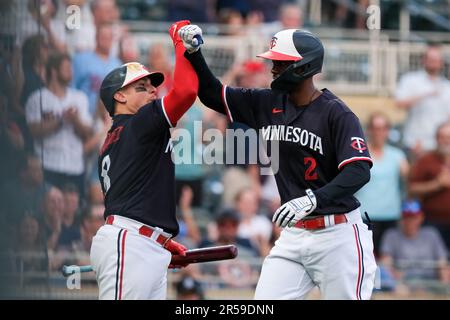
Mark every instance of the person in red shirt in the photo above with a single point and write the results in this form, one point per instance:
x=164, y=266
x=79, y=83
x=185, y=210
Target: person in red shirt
x=430, y=181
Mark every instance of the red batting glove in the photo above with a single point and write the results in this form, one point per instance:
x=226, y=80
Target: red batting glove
x=173, y=30
x=176, y=249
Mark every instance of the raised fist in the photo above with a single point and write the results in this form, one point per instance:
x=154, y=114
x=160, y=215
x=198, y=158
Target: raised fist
x=191, y=35
x=174, y=28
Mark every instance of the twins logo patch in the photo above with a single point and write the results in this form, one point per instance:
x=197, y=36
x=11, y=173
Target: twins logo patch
x=358, y=144
x=273, y=42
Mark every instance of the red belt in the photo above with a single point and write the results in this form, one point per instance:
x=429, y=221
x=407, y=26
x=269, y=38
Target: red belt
x=321, y=222
x=145, y=231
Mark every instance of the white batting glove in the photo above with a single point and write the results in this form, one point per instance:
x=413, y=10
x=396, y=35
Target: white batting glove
x=192, y=37
x=294, y=210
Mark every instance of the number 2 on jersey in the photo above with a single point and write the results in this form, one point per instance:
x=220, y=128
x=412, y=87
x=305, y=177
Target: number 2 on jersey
x=106, y=164
x=310, y=174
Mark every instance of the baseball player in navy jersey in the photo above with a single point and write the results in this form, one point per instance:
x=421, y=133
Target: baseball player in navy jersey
x=323, y=161
x=132, y=251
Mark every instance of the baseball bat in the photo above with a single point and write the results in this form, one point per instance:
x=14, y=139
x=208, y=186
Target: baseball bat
x=192, y=256
x=199, y=39
x=206, y=255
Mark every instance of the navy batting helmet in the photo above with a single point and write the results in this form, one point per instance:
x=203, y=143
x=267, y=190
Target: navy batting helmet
x=122, y=76
x=302, y=47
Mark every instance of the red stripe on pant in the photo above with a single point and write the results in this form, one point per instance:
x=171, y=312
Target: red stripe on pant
x=358, y=284
x=122, y=262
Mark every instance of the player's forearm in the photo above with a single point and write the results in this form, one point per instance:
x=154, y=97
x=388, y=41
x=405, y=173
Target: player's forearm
x=45, y=128
x=210, y=88
x=185, y=87
x=82, y=131
x=192, y=228
x=409, y=102
x=352, y=178
x=423, y=188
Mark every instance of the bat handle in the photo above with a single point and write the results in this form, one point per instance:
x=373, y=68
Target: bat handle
x=199, y=40
x=69, y=270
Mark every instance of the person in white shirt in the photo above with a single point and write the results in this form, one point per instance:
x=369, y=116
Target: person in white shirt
x=425, y=95
x=253, y=226
x=59, y=121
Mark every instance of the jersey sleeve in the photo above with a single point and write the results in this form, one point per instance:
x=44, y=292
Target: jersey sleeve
x=349, y=140
x=150, y=120
x=240, y=104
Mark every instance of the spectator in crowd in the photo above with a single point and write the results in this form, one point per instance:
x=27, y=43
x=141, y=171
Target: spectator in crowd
x=12, y=143
x=249, y=74
x=187, y=154
x=128, y=49
x=231, y=22
x=189, y=234
x=80, y=29
x=35, y=51
x=107, y=12
x=290, y=16
x=339, y=13
x=425, y=95
x=188, y=288
x=157, y=59
x=225, y=232
x=270, y=198
x=91, y=67
x=237, y=272
x=26, y=193
x=52, y=212
x=253, y=226
x=44, y=21
x=70, y=221
x=59, y=120
x=213, y=184
x=412, y=252
x=430, y=181
x=91, y=221
x=199, y=11
x=268, y=8
x=390, y=168
x=11, y=76
x=31, y=251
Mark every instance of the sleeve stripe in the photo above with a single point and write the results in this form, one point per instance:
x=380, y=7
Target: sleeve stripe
x=224, y=99
x=164, y=111
x=347, y=161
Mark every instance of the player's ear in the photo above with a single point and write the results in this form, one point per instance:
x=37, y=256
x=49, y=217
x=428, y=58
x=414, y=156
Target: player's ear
x=120, y=97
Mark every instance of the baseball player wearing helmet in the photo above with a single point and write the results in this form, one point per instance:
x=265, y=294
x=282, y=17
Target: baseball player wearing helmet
x=132, y=251
x=323, y=161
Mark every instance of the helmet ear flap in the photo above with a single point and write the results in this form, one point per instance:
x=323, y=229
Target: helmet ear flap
x=302, y=69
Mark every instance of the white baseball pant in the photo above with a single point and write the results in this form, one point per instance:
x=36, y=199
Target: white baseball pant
x=338, y=259
x=129, y=265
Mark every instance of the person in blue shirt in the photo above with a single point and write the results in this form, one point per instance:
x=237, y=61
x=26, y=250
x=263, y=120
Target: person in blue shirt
x=91, y=67
x=390, y=167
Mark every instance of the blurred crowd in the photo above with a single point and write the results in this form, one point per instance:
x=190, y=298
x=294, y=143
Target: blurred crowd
x=53, y=125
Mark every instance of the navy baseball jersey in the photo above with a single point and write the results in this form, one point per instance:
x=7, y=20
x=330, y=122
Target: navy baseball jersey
x=136, y=170
x=315, y=141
